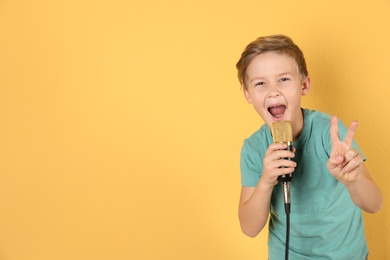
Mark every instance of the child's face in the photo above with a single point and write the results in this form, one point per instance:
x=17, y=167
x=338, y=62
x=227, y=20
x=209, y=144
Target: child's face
x=275, y=88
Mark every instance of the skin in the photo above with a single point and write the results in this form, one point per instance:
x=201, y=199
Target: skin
x=272, y=80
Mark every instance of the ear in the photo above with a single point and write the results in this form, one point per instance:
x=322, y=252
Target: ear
x=305, y=86
x=247, y=96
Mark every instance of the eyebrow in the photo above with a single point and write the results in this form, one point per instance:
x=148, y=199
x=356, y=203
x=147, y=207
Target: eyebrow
x=278, y=75
x=255, y=78
x=284, y=73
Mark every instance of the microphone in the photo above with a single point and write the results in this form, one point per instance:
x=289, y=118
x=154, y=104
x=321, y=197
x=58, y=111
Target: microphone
x=282, y=133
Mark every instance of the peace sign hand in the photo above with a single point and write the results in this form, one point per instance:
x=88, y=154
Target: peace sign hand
x=344, y=162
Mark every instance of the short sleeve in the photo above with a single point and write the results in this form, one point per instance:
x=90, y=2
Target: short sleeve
x=250, y=166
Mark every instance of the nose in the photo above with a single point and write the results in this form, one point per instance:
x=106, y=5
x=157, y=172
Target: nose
x=274, y=92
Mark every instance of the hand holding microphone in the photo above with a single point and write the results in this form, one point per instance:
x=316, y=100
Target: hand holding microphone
x=274, y=167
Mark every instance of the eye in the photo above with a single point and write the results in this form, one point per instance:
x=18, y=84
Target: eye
x=260, y=83
x=284, y=79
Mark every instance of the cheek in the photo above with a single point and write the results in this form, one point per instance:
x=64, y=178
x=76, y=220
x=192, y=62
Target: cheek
x=258, y=101
x=295, y=101
x=259, y=108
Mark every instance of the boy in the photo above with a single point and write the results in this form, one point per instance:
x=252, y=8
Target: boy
x=330, y=186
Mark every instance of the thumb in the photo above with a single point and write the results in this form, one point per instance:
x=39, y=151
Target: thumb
x=336, y=159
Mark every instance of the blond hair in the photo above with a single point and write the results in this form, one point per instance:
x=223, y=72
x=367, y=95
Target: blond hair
x=278, y=43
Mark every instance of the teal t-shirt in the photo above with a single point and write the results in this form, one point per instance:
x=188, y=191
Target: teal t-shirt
x=324, y=222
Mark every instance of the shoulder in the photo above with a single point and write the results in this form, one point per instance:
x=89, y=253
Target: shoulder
x=315, y=117
x=318, y=119
x=316, y=124
x=252, y=152
x=260, y=138
x=255, y=146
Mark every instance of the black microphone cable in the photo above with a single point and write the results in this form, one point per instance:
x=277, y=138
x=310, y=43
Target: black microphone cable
x=287, y=206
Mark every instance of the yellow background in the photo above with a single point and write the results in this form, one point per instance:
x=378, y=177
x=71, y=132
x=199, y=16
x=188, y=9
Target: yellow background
x=121, y=122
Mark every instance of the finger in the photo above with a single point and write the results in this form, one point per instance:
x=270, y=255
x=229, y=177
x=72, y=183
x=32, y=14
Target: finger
x=336, y=161
x=334, y=130
x=274, y=151
x=285, y=163
x=351, y=154
x=275, y=147
x=283, y=171
x=353, y=165
x=284, y=154
x=355, y=159
x=284, y=168
x=278, y=153
x=334, y=168
x=350, y=133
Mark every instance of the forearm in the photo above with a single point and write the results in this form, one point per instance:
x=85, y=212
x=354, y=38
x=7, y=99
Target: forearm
x=254, y=209
x=365, y=193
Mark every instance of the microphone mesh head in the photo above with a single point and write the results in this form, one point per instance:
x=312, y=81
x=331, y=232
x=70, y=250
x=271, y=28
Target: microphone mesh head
x=282, y=132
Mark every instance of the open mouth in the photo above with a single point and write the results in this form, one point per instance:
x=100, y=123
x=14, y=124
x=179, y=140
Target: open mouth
x=277, y=111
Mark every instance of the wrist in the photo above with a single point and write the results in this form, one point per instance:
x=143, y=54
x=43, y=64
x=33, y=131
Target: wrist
x=351, y=184
x=265, y=186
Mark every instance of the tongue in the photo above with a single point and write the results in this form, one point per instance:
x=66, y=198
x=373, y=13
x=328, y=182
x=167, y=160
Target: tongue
x=277, y=111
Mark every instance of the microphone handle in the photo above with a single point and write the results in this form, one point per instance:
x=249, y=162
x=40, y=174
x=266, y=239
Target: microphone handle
x=286, y=177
